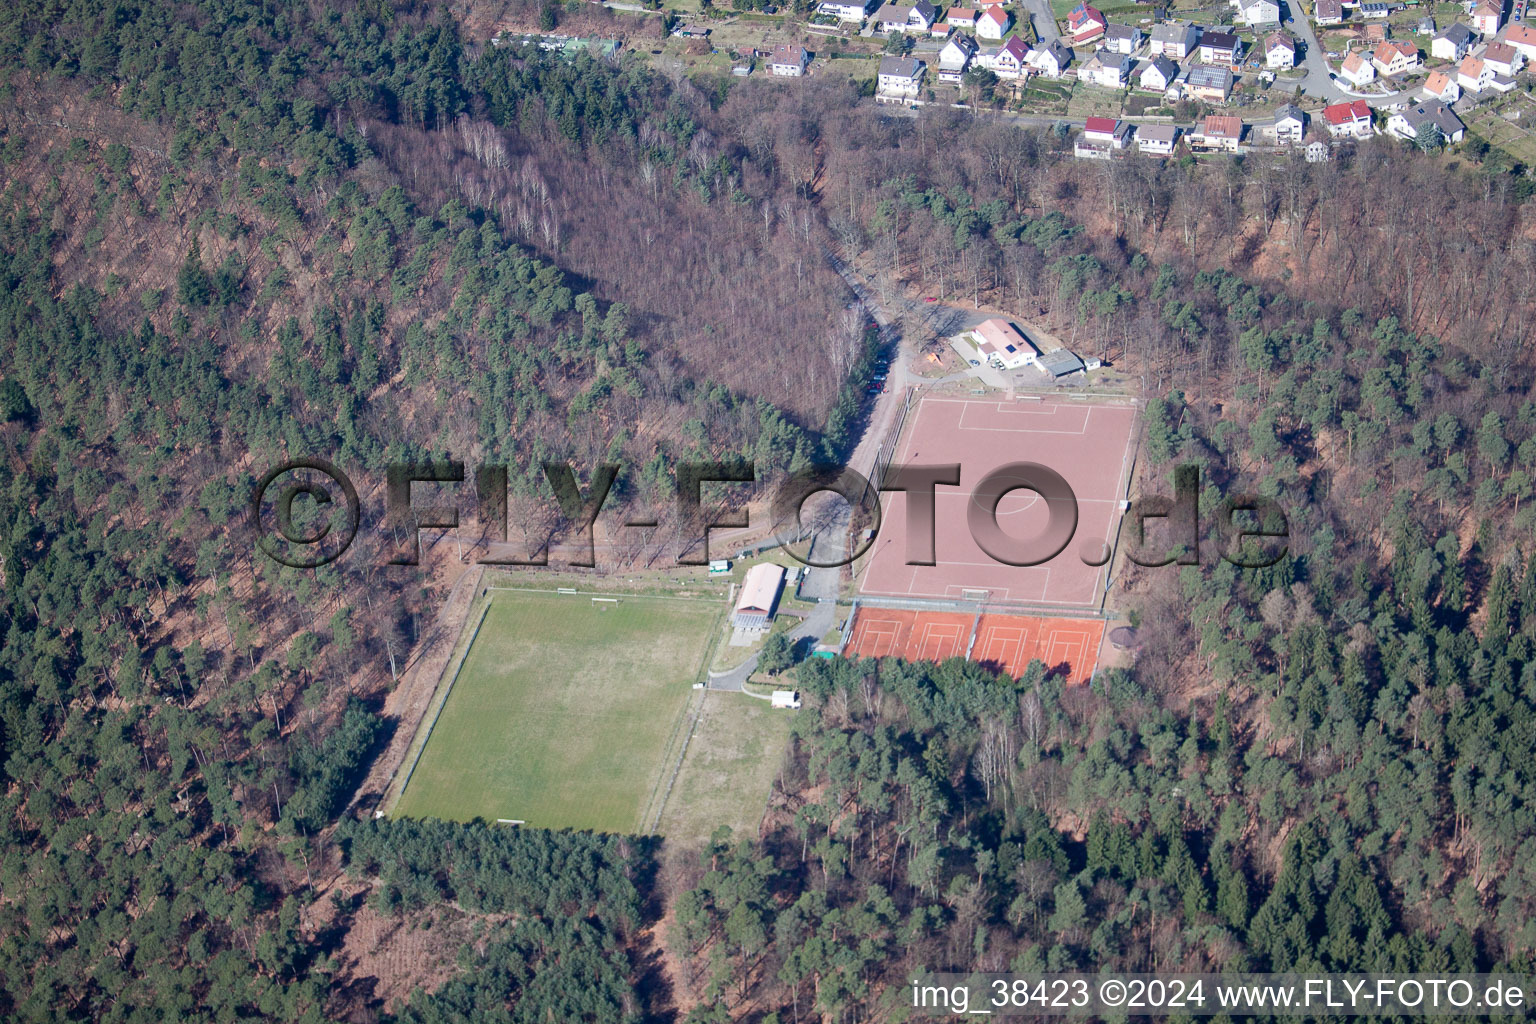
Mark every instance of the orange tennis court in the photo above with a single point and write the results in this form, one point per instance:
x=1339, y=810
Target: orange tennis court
x=1007, y=643
x=1088, y=443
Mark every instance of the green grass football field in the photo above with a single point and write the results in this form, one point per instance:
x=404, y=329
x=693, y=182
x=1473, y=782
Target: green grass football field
x=564, y=710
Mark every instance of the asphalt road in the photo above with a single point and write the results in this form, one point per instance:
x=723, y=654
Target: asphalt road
x=1317, y=83
x=1044, y=20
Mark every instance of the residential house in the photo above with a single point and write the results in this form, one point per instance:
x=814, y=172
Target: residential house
x=1173, y=39
x=1220, y=48
x=1051, y=61
x=1442, y=86
x=1085, y=24
x=993, y=23
x=1157, y=74
x=961, y=17
x=1349, y=120
x=1101, y=137
x=956, y=57
x=1407, y=124
x=1279, y=51
x=1328, y=12
x=1209, y=82
x=1374, y=10
x=1503, y=59
x=1012, y=58
x=1473, y=75
x=1157, y=139
x=1522, y=38
x=1290, y=125
x=1122, y=39
x=1395, y=58
x=1317, y=152
x=1357, y=70
x=1110, y=70
x=899, y=79
x=788, y=60
x=847, y=10
x=1488, y=16
x=917, y=18
x=1257, y=12
x=1219, y=132
x=1454, y=43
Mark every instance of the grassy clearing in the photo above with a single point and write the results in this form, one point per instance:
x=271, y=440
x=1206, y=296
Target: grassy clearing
x=729, y=769
x=563, y=710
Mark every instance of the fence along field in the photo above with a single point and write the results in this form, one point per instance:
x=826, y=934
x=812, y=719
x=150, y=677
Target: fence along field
x=562, y=711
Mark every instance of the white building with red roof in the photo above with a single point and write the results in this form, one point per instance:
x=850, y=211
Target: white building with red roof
x=1085, y=24
x=1349, y=120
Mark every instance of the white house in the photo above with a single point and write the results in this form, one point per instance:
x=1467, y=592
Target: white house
x=1122, y=38
x=961, y=17
x=1503, y=59
x=1442, y=86
x=1473, y=75
x=899, y=79
x=917, y=18
x=1290, y=125
x=1406, y=124
x=1157, y=74
x=1454, y=43
x=846, y=10
x=1393, y=57
x=1522, y=38
x=993, y=23
x=1219, y=132
x=1279, y=51
x=1349, y=120
x=1317, y=152
x=1173, y=39
x=1357, y=70
x=1488, y=16
x=1012, y=58
x=1085, y=24
x=1220, y=48
x=1110, y=70
x=956, y=57
x=1328, y=12
x=1157, y=139
x=789, y=60
x=1257, y=12
x=1052, y=60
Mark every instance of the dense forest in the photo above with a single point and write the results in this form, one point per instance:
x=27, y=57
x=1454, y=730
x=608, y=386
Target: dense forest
x=234, y=232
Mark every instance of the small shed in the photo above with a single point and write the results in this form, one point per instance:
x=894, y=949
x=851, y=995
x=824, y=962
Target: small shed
x=786, y=699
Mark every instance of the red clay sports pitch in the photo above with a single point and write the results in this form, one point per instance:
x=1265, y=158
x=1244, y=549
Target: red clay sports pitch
x=1088, y=443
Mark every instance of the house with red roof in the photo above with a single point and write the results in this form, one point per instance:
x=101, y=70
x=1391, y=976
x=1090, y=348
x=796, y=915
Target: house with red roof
x=993, y=23
x=1349, y=120
x=1393, y=57
x=1085, y=24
